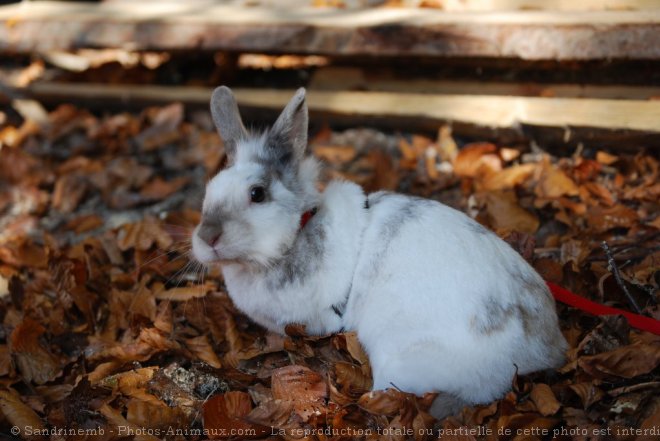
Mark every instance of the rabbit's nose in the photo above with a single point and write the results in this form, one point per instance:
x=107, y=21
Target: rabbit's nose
x=210, y=233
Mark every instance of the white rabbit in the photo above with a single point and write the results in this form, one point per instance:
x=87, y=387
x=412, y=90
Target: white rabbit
x=438, y=302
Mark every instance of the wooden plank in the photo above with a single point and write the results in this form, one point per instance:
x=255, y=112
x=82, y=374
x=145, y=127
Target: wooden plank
x=495, y=112
x=456, y=5
x=530, y=35
x=354, y=78
x=547, y=5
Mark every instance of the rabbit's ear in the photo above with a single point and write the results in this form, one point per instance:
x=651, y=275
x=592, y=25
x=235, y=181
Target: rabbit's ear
x=227, y=119
x=287, y=139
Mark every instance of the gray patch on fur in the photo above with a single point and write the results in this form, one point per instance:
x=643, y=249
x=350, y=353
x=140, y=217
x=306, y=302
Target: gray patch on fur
x=537, y=313
x=303, y=259
x=286, y=140
x=410, y=210
x=476, y=227
x=216, y=214
x=208, y=231
x=340, y=308
x=535, y=305
x=286, y=174
x=278, y=151
x=495, y=317
x=534, y=309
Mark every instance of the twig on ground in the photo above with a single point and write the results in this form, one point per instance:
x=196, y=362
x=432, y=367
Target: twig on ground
x=617, y=276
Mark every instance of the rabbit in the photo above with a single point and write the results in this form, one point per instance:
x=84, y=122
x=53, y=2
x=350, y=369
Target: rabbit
x=439, y=302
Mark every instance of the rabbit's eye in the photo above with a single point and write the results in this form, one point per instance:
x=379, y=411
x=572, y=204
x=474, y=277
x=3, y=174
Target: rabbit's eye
x=257, y=194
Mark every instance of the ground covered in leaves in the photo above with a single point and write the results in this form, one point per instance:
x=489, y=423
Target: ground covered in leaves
x=107, y=326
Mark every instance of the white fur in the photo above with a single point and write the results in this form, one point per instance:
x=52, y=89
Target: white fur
x=438, y=302
x=415, y=317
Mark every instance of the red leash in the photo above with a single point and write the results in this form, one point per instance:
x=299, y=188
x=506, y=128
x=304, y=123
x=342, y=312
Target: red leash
x=638, y=321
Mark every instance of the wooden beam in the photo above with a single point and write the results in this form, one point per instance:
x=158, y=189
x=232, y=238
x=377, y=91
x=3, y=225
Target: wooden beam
x=380, y=80
x=457, y=5
x=547, y=5
x=531, y=35
x=402, y=110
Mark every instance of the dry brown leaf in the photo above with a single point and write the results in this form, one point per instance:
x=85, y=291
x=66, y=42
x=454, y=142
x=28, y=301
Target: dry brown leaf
x=335, y=154
x=159, y=188
x=507, y=178
x=606, y=158
x=602, y=219
x=432, y=4
x=478, y=158
x=554, y=183
x=504, y=213
x=185, y=293
x=643, y=192
x=577, y=208
x=164, y=320
x=601, y=192
x=655, y=223
x=524, y=424
x=298, y=383
x=20, y=415
x=55, y=393
x=150, y=341
x=128, y=381
x=626, y=361
x=545, y=399
x=446, y=145
x=202, y=349
x=34, y=361
x=382, y=402
x=166, y=121
x=385, y=175
x=69, y=191
x=225, y=415
x=651, y=424
x=588, y=393
x=102, y=371
x=84, y=223
x=273, y=413
x=142, y=303
x=143, y=235
x=295, y=330
x=454, y=431
x=575, y=252
x=115, y=418
x=586, y=169
x=6, y=367
x=352, y=380
x=18, y=166
x=423, y=426
x=155, y=415
x=22, y=252
x=349, y=342
x=242, y=351
x=409, y=156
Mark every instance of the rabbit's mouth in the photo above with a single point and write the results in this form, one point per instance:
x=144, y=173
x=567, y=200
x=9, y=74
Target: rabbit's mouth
x=215, y=253
x=204, y=250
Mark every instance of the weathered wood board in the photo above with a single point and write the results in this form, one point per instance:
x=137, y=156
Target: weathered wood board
x=355, y=78
x=529, y=35
x=625, y=119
